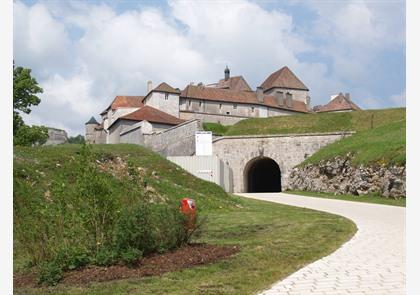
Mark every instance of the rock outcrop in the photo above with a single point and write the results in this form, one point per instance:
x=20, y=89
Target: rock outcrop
x=339, y=176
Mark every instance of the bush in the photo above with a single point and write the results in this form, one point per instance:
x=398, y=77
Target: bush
x=131, y=256
x=30, y=136
x=50, y=274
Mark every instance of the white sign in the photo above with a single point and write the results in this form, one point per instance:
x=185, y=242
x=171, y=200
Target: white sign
x=203, y=143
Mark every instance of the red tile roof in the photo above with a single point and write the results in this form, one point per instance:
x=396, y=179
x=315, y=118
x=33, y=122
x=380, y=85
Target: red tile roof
x=216, y=94
x=164, y=87
x=237, y=83
x=150, y=114
x=283, y=78
x=339, y=103
x=125, y=101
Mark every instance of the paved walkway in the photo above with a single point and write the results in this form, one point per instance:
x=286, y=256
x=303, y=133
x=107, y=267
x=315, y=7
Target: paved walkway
x=372, y=262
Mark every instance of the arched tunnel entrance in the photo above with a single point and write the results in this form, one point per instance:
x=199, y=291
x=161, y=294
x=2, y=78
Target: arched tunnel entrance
x=262, y=175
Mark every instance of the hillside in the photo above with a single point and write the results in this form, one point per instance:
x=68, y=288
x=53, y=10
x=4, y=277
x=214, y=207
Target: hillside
x=36, y=168
x=381, y=145
x=323, y=122
x=53, y=190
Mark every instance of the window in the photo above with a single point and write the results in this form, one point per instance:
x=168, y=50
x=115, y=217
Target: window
x=199, y=104
x=252, y=109
x=220, y=106
x=166, y=96
x=189, y=102
x=235, y=106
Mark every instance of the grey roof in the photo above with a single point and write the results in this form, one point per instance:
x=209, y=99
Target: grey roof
x=92, y=121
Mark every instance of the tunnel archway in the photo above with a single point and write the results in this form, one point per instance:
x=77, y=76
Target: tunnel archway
x=262, y=175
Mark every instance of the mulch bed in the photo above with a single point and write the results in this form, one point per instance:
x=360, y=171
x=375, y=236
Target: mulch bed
x=152, y=265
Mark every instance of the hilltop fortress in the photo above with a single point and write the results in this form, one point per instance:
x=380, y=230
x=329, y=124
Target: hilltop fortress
x=129, y=118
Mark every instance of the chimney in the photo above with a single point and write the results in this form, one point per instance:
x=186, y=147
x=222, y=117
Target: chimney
x=260, y=94
x=149, y=86
x=347, y=95
x=289, y=100
x=279, y=97
x=227, y=73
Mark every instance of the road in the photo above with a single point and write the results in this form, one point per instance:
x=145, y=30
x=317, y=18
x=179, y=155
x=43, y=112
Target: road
x=372, y=262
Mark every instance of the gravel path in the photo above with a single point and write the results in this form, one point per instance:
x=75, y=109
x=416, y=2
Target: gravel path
x=372, y=262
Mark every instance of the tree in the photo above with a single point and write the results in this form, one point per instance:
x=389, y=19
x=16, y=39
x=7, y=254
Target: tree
x=25, y=89
x=80, y=139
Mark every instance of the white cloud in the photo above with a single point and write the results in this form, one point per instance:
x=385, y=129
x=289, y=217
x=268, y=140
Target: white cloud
x=40, y=41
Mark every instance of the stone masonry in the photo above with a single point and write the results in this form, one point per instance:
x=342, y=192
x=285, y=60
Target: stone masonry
x=286, y=150
x=339, y=176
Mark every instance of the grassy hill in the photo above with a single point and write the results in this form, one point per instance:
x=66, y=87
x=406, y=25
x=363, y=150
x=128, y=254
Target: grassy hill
x=381, y=145
x=42, y=166
x=274, y=240
x=308, y=123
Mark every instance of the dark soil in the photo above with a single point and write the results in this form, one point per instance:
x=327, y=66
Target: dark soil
x=152, y=265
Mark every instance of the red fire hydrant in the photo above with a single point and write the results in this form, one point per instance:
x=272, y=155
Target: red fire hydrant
x=188, y=208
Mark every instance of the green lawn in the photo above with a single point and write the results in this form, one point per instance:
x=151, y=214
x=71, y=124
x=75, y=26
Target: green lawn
x=275, y=241
x=216, y=128
x=322, y=122
x=383, y=145
x=374, y=199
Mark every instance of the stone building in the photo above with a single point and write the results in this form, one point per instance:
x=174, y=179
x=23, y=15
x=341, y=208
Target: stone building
x=228, y=101
x=338, y=103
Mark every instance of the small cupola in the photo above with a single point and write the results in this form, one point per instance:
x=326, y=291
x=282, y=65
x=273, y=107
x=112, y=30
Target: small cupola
x=227, y=73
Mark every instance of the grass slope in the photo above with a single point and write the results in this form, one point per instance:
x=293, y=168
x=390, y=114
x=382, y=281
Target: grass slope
x=216, y=128
x=322, y=122
x=275, y=240
x=383, y=145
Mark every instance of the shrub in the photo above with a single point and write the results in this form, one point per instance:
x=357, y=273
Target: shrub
x=131, y=255
x=50, y=274
x=149, y=228
x=30, y=135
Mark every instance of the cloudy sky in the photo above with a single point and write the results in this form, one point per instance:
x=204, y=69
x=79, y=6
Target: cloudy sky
x=83, y=53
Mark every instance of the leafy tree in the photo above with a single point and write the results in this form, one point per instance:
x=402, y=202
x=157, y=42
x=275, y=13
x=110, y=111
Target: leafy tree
x=80, y=139
x=28, y=136
x=25, y=88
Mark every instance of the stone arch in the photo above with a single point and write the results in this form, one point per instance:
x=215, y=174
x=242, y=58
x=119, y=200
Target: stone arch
x=262, y=174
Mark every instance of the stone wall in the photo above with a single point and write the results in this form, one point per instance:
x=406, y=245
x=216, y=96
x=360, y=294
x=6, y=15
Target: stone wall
x=176, y=141
x=226, y=113
x=286, y=150
x=56, y=136
x=338, y=176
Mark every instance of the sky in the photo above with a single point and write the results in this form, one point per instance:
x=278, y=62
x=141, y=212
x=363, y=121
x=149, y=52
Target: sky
x=84, y=53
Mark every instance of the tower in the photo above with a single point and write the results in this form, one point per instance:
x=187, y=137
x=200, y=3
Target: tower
x=90, y=130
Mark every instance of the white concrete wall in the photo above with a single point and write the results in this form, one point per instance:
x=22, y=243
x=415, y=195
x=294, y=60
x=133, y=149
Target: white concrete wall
x=170, y=105
x=209, y=168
